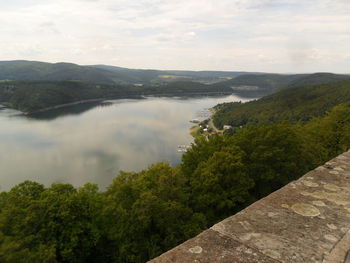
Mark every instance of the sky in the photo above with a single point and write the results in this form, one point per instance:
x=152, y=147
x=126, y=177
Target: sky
x=285, y=36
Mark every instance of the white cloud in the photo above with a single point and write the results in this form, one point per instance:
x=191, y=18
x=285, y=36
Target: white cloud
x=254, y=35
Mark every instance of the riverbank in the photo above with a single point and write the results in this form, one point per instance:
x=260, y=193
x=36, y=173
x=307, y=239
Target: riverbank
x=205, y=127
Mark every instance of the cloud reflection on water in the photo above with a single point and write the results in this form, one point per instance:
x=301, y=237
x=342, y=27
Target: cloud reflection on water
x=98, y=142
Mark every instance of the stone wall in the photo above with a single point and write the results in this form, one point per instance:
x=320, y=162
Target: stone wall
x=307, y=221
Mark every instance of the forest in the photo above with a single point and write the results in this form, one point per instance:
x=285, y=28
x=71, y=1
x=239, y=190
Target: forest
x=295, y=104
x=143, y=214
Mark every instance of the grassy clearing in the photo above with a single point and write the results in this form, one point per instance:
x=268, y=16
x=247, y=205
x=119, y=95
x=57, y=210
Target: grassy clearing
x=173, y=77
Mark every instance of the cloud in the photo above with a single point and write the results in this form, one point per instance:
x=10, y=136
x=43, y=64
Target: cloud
x=256, y=35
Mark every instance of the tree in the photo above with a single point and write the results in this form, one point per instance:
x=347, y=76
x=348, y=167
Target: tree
x=57, y=224
x=220, y=185
x=149, y=213
x=274, y=155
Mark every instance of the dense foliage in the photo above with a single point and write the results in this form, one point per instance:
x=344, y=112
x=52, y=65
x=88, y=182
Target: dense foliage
x=294, y=104
x=143, y=214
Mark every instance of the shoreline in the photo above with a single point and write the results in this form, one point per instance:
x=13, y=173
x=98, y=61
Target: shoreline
x=195, y=130
x=63, y=105
x=139, y=96
x=79, y=102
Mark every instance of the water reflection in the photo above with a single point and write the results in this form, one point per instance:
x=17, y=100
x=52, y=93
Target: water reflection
x=92, y=143
x=68, y=110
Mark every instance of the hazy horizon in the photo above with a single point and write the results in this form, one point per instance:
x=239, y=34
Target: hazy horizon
x=272, y=36
x=161, y=69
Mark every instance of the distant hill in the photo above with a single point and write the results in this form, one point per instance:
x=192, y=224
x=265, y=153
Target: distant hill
x=150, y=76
x=22, y=70
x=261, y=81
x=293, y=104
x=317, y=78
x=263, y=84
x=133, y=75
x=34, y=70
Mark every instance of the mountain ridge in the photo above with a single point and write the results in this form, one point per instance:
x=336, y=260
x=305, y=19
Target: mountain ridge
x=37, y=70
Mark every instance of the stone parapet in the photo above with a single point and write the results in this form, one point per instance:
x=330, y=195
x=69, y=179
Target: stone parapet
x=307, y=221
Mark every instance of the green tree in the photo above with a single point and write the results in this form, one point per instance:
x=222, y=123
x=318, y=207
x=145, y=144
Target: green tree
x=57, y=224
x=220, y=185
x=148, y=213
x=330, y=135
x=274, y=155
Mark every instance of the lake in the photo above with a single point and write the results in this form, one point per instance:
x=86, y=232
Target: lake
x=92, y=142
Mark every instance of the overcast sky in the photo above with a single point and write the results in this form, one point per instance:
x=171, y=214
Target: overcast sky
x=249, y=35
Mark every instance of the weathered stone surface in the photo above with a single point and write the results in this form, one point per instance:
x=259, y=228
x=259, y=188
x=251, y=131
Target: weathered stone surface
x=210, y=247
x=307, y=221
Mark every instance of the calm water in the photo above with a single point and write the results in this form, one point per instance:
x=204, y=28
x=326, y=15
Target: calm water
x=93, y=142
